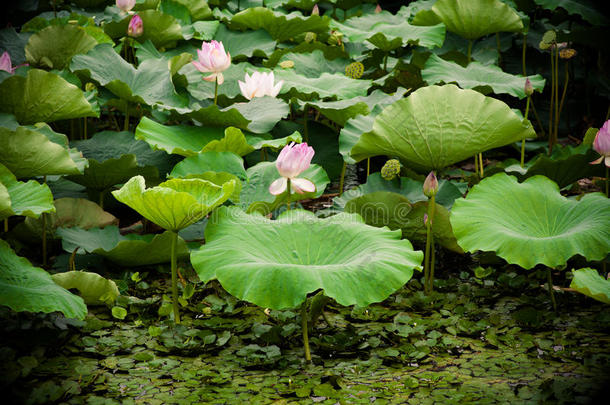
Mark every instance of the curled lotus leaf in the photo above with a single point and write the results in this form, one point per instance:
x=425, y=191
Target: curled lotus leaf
x=176, y=203
x=93, y=288
x=587, y=281
x=276, y=263
x=531, y=223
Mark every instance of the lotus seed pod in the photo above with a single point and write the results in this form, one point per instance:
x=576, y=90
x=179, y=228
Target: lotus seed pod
x=390, y=169
x=567, y=53
x=310, y=37
x=354, y=70
x=287, y=64
x=548, y=39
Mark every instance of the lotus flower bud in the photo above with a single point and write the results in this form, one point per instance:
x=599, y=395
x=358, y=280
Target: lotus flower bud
x=315, y=10
x=336, y=38
x=528, y=88
x=136, y=26
x=601, y=144
x=5, y=63
x=378, y=9
x=125, y=5
x=390, y=169
x=430, y=185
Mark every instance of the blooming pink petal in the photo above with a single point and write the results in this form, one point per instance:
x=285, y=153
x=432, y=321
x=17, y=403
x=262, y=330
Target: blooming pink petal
x=301, y=186
x=125, y=5
x=597, y=161
x=278, y=186
x=212, y=59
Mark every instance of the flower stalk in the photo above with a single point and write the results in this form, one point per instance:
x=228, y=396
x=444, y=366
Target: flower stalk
x=175, y=278
x=304, y=331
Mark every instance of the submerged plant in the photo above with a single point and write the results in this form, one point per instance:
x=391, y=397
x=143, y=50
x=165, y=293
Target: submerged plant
x=174, y=205
x=212, y=58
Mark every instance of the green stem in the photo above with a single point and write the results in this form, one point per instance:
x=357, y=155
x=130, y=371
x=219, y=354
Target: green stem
x=563, y=94
x=469, y=50
x=607, y=181
x=305, y=131
x=523, y=53
x=288, y=186
x=44, y=234
x=126, y=125
x=216, y=92
x=551, y=142
x=428, y=258
x=527, y=109
x=385, y=62
x=499, y=50
x=342, y=179
x=304, y=330
x=101, y=200
x=538, y=120
x=549, y=279
x=481, y=173
x=556, y=130
x=85, y=128
x=175, y=278
x=432, y=253
x=368, y=167
x=5, y=224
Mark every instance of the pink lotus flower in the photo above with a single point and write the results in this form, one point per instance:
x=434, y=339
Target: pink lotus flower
x=430, y=185
x=5, y=63
x=260, y=85
x=212, y=58
x=136, y=26
x=291, y=162
x=601, y=144
x=125, y=5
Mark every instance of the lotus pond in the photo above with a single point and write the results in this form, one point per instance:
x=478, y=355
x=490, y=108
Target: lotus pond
x=293, y=201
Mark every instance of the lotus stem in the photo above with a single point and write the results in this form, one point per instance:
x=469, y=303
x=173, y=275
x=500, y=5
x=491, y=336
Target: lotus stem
x=428, y=257
x=527, y=109
x=499, y=50
x=556, y=131
x=368, y=167
x=85, y=128
x=263, y=154
x=305, y=131
x=481, y=164
x=175, y=278
x=607, y=181
x=385, y=62
x=523, y=53
x=342, y=179
x=563, y=94
x=304, y=330
x=288, y=186
x=5, y=224
x=549, y=278
x=101, y=198
x=469, y=50
x=216, y=91
x=44, y=240
x=432, y=261
x=552, y=99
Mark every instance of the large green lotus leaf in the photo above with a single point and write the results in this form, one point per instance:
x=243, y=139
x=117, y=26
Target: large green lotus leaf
x=177, y=139
x=276, y=143
x=588, y=282
x=128, y=250
x=243, y=45
x=341, y=111
x=351, y=132
x=69, y=212
x=176, y=203
x=479, y=77
x=414, y=228
x=305, y=5
x=411, y=189
x=259, y=115
x=199, y=10
x=255, y=195
x=472, y=19
x=30, y=152
x=102, y=176
x=437, y=126
x=93, y=288
x=586, y=11
x=313, y=64
x=54, y=46
x=531, y=223
x=280, y=26
x=220, y=178
x=335, y=85
x=43, y=97
x=330, y=52
x=149, y=84
x=203, y=162
x=161, y=29
x=275, y=264
x=29, y=199
x=24, y=287
x=388, y=32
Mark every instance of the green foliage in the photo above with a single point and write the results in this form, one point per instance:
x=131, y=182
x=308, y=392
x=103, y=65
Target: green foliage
x=93, y=288
x=588, y=282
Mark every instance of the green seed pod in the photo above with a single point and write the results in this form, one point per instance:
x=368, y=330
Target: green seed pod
x=390, y=169
x=354, y=70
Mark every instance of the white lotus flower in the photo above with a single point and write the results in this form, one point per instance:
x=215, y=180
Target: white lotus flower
x=260, y=85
